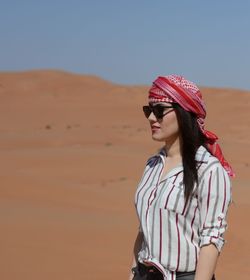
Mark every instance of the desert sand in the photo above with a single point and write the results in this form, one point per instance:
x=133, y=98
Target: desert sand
x=73, y=149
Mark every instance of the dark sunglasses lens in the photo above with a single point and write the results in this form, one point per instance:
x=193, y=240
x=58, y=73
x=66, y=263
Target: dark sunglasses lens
x=158, y=111
x=147, y=111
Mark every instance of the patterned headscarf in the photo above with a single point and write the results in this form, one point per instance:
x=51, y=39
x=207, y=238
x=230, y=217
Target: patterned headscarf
x=177, y=89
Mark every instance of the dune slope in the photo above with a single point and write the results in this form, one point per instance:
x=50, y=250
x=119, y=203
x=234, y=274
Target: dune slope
x=72, y=150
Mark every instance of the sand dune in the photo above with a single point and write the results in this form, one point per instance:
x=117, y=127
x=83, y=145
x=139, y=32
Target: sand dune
x=72, y=151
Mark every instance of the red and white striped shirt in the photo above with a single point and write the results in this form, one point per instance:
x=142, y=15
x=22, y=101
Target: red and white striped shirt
x=174, y=231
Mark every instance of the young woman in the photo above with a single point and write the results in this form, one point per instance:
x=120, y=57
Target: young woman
x=184, y=194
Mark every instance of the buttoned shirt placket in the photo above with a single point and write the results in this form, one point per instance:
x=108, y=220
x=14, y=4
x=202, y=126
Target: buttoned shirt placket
x=153, y=197
x=167, y=274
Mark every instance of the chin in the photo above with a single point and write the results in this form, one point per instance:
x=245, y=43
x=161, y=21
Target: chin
x=165, y=138
x=158, y=139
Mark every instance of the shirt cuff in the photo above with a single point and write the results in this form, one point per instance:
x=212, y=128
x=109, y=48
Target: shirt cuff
x=212, y=236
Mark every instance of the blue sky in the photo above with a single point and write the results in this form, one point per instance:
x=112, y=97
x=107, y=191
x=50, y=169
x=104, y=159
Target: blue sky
x=132, y=41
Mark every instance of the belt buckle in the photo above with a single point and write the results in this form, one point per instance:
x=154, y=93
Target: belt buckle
x=151, y=269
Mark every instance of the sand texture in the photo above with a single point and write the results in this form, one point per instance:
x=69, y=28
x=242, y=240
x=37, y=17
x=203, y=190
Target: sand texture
x=73, y=149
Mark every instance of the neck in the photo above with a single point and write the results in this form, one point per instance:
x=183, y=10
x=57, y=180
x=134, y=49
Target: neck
x=173, y=148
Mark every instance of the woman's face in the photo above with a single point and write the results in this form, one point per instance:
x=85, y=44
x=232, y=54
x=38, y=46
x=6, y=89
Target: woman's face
x=167, y=128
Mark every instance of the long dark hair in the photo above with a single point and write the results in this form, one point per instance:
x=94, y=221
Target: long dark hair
x=191, y=139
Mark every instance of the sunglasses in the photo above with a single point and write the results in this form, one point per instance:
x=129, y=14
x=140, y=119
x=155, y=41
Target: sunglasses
x=158, y=110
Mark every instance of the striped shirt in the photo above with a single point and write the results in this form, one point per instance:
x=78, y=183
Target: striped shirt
x=174, y=231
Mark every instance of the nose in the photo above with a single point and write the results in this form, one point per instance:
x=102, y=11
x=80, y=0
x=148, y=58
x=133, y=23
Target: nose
x=152, y=117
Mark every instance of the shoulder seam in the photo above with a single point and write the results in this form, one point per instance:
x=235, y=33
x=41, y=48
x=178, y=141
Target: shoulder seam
x=209, y=166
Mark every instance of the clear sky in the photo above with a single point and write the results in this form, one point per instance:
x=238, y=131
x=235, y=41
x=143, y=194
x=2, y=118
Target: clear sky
x=130, y=41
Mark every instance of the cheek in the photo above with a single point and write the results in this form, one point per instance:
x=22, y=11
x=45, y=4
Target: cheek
x=171, y=124
x=172, y=128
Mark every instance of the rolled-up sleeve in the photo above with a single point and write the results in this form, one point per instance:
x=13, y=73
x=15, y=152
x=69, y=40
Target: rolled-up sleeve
x=214, y=197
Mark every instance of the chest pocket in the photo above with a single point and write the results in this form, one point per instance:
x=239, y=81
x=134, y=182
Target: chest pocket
x=172, y=198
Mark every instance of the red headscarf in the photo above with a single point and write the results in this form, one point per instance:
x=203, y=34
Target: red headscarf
x=177, y=89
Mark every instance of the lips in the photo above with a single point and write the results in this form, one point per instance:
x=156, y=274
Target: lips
x=154, y=127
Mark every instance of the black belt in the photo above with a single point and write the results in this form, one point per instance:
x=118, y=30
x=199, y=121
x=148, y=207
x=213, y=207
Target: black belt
x=152, y=269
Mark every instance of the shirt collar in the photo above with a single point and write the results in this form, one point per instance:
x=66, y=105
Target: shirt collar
x=201, y=156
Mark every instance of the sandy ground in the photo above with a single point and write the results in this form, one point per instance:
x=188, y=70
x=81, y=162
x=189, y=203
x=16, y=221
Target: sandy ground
x=72, y=152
